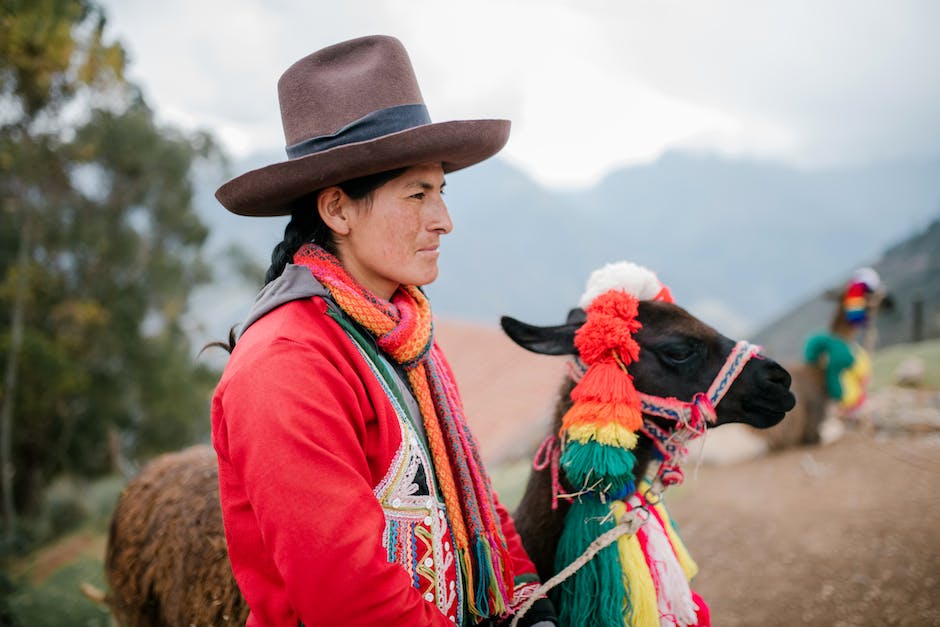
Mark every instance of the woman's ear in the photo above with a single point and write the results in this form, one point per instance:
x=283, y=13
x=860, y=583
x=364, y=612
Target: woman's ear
x=334, y=207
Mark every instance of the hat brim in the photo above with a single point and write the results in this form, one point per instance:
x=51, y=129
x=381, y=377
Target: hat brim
x=268, y=191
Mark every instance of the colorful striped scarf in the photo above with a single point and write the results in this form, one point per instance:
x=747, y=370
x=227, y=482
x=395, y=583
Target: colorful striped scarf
x=403, y=330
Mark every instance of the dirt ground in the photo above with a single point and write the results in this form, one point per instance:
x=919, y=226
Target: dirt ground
x=842, y=534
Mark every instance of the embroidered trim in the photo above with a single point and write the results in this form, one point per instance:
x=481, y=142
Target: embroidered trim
x=417, y=536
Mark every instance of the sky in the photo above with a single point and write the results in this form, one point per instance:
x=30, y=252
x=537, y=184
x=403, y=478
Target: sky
x=589, y=86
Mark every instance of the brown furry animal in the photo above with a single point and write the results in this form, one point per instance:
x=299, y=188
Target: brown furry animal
x=167, y=562
x=802, y=423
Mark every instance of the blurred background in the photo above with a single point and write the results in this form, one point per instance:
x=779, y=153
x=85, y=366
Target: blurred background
x=752, y=154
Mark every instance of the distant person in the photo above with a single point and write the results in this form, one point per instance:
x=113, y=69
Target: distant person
x=839, y=352
x=351, y=487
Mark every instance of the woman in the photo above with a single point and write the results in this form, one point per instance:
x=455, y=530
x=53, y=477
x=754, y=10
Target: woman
x=351, y=488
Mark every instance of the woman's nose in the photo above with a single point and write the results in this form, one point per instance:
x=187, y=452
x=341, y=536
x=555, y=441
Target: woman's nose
x=440, y=220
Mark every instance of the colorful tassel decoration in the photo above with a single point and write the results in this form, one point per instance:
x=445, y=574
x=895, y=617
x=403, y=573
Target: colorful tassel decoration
x=642, y=609
x=642, y=579
x=584, y=599
x=674, y=596
x=599, y=468
x=598, y=435
x=689, y=567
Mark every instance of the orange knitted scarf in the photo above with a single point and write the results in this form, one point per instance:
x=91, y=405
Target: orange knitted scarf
x=404, y=332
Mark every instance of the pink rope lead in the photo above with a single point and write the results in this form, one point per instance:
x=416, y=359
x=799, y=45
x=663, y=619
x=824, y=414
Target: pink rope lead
x=547, y=455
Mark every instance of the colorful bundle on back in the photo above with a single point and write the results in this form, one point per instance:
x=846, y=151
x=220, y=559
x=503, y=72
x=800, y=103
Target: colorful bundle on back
x=855, y=300
x=598, y=434
x=854, y=303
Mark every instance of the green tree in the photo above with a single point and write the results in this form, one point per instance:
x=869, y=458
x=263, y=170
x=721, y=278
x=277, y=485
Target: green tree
x=99, y=250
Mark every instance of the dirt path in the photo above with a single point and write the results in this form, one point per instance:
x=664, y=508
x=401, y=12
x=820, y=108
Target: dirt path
x=48, y=560
x=837, y=535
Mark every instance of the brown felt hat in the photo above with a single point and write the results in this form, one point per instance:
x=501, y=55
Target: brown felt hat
x=351, y=110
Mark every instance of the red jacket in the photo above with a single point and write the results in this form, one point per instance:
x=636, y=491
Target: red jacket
x=307, y=438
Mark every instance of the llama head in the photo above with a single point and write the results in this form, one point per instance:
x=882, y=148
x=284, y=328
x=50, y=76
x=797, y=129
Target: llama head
x=679, y=357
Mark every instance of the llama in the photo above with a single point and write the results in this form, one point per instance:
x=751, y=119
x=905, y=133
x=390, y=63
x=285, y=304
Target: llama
x=678, y=357
x=803, y=423
x=151, y=584
x=836, y=366
x=166, y=561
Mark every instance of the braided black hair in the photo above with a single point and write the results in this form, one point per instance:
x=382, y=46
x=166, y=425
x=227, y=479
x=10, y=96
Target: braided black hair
x=306, y=225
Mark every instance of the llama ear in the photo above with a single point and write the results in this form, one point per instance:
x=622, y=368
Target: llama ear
x=557, y=340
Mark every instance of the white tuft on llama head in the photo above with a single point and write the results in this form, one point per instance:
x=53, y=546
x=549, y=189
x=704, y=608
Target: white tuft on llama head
x=623, y=275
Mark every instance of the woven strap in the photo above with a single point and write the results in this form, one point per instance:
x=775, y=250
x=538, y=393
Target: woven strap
x=700, y=411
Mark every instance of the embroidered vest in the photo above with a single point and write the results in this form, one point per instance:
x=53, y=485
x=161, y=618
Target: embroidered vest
x=417, y=534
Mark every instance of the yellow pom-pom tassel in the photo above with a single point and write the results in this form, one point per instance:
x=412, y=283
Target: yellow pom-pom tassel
x=611, y=434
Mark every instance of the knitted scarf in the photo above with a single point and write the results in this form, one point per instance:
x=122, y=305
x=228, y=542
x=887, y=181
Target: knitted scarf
x=403, y=330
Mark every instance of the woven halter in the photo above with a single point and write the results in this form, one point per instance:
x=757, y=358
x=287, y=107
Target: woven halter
x=691, y=417
x=700, y=411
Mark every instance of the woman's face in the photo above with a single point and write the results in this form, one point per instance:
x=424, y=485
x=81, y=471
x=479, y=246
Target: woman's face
x=395, y=240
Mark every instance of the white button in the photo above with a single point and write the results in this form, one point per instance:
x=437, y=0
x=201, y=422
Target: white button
x=428, y=520
x=396, y=503
x=453, y=585
x=453, y=620
x=429, y=597
x=428, y=562
x=429, y=504
x=447, y=547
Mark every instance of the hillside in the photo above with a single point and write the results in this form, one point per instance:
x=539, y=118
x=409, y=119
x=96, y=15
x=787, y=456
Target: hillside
x=909, y=269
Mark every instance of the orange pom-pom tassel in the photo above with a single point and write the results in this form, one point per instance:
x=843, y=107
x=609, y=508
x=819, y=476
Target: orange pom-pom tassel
x=606, y=382
x=597, y=415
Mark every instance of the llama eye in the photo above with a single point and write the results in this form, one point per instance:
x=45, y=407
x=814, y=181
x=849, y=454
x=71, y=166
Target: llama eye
x=678, y=354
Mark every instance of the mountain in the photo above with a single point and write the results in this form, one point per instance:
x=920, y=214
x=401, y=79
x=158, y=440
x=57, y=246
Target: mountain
x=909, y=270
x=738, y=241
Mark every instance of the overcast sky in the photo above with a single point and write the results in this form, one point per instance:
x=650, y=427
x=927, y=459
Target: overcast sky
x=588, y=85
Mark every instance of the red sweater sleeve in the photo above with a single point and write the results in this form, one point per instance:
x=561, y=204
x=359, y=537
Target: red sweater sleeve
x=303, y=525
x=522, y=566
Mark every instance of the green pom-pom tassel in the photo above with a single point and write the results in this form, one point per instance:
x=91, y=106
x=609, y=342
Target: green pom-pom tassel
x=594, y=595
x=601, y=468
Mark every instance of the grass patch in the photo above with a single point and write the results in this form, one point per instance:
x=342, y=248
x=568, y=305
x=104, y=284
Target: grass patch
x=885, y=362
x=509, y=481
x=58, y=600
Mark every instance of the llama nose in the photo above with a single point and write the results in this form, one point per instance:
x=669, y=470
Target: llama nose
x=776, y=375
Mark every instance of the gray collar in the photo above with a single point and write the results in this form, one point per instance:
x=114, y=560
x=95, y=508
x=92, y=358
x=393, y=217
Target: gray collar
x=295, y=283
